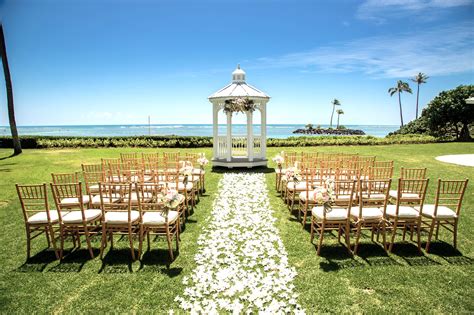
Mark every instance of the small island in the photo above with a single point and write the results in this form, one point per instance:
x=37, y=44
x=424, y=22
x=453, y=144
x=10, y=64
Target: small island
x=309, y=130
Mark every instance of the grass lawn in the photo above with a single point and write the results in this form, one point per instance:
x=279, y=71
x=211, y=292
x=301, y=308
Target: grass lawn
x=441, y=281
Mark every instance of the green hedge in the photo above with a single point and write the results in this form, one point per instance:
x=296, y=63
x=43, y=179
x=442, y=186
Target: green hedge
x=35, y=142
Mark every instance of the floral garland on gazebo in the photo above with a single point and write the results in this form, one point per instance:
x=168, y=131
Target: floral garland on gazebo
x=239, y=104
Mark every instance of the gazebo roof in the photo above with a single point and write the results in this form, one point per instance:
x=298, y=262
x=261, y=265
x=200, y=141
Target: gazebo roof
x=239, y=88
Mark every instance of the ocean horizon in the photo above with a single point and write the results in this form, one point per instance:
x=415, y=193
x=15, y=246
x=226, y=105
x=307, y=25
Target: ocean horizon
x=273, y=130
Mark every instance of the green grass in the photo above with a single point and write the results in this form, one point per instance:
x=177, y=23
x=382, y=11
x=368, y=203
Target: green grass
x=335, y=282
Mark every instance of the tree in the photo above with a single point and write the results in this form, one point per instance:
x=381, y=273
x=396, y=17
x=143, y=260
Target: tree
x=401, y=87
x=334, y=103
x=339, y=113
x=448, y=113
x=420, y=78
x=309, y=126
x=8, y=84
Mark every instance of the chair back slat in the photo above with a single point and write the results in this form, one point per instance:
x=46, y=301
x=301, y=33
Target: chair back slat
x=412, y=173
x=450, y=193
x=33, y=199
x=91, y=168
x=64, y=178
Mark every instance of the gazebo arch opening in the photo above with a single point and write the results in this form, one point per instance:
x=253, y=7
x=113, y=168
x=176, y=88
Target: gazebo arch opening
x=246, y=149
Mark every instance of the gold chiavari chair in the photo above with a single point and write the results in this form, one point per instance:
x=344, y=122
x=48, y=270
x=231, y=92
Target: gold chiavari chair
x=409, y=173
x=370, y=212
x=118, y=217
x=129, y=156
x=156, y=219
x=95, y=168
x=337, y=218
x=39, y=218
x=91, y=181
x=68, y=178
x=77, y=220
x=446, y=209
x=411, y=193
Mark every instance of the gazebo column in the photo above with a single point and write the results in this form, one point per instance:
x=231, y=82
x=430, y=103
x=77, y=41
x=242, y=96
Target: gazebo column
x=263, y=130
x=229, y=136
x=215, y=125
x=250, y=135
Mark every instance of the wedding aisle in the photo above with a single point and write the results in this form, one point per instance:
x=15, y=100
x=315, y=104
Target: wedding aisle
x=242, y=264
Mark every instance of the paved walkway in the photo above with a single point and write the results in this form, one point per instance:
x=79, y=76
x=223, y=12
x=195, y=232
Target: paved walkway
x=460, y=159
x=242, y=264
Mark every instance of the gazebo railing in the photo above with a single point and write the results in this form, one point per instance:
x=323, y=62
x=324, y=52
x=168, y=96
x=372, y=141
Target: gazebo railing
x=239, y=146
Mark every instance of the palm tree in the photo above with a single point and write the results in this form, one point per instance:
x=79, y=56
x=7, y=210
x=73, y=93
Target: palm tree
x=420, y=78
x=8, y=83
x=334, y=103
x=401, y=87
x=339, y=113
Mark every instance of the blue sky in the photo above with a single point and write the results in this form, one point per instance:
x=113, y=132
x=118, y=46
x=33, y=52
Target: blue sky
x=116, y=62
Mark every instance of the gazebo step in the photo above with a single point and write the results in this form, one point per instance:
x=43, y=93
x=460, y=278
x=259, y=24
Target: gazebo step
x=239, y=162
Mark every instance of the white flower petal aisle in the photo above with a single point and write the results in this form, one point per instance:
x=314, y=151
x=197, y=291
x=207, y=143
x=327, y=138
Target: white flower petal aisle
x=242, y=265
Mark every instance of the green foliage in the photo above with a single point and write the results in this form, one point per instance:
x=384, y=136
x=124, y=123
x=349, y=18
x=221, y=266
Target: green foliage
x=342, y=127
x=348, y=140
x=42, y=142
x=448, y=113
x=33, y=142
x=446, y=117
x=309, y=126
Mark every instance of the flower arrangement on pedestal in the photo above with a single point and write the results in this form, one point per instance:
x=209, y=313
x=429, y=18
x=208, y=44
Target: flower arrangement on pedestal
x=293, y=174
x=170, y=199
x=325, y=195
x=186, y=170
x=239, y=104
x=279, y=160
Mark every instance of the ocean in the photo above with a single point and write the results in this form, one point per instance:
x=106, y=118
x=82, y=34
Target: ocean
x=273, y=131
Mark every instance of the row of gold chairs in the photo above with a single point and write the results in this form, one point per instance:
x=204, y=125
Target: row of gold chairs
x=125, y=208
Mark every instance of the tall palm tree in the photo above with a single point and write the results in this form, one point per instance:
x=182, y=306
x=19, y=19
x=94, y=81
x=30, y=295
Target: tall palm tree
x=401, y=87
x=420, y=78
x=8, y=83
x=334, y=103
x=339, y=113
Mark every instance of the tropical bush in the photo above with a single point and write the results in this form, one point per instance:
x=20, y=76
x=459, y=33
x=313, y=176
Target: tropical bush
x=447, y=116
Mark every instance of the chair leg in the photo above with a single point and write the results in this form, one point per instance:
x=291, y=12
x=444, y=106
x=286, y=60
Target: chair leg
x=356, y=245
x=312, y=229
x=130, y=239
x=418, y=234
x=53, y=239
x=347, y=232
x=61, y=234
x=321, y=236
x=404, y=231
x=437, y=230
x=430, y=235
x=88, y=241
x=148, y=238
x=170, y=248
x=455, y=234
x=46, y=233
x=103, y=242
x=394, y=232
x=28, y=242
x=140, y=242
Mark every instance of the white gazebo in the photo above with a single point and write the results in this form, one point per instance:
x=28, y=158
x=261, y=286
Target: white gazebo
x=239, y=150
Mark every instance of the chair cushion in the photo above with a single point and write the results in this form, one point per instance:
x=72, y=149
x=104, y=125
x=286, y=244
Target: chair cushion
x=394, y=194
x=198, y=171
x=74, y=201
x=41, y=218
x=374, y=196
x=301, y=186
x=336, y=214
x=158, y=218
x=189, y=186
x=442, y=213
x=403, y=212
x=367, y=213
x=76, y=216
x=310, y=195
x=121, y=217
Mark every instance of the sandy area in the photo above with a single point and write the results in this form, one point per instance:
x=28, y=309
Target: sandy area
x=460, y=159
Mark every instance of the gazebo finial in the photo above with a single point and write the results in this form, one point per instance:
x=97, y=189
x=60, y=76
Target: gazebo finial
x=238, y=66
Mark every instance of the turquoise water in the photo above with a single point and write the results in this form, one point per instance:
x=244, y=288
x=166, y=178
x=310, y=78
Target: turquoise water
x=273, y=131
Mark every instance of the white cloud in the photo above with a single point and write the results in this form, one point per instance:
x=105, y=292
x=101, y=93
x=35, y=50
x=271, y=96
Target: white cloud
x=440, y=51
x=380, y=10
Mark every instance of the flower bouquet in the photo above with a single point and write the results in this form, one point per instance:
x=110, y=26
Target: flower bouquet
x=293, y=174
x=202, y=161
x=186, y=171
x=279, y=160
x=325, y=195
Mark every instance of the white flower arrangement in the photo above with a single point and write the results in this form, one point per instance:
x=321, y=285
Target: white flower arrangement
x=202, y=160
x=170, y=199
x=279, y=160
x=241, y=264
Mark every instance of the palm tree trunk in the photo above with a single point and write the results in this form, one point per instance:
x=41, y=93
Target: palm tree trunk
x=332, y=114
x=400, y=105
x=417, y=96
x=8, y=83
x=338, y=115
